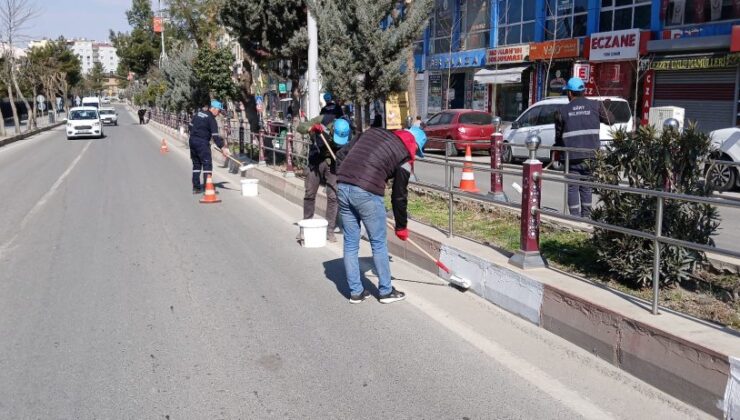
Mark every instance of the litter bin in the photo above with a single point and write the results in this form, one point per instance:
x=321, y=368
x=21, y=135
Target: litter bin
x=51, y=118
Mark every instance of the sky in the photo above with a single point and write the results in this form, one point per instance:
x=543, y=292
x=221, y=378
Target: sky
x=91, y=19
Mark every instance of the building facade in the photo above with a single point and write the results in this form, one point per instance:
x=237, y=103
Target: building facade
x=501, y=56
x=91, y=52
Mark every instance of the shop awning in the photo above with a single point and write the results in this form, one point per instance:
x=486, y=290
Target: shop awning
x=500, y=77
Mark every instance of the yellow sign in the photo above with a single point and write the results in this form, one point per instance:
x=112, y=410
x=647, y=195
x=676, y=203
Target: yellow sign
x=696, y=63
x=396, y=110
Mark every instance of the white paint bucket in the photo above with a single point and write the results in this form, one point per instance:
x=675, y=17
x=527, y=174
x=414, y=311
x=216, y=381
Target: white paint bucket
x=250, y=187
x=314, y=232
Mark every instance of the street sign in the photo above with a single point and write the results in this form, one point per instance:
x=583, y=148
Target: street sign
x=40, y=99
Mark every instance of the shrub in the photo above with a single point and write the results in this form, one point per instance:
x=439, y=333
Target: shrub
x=672, y=162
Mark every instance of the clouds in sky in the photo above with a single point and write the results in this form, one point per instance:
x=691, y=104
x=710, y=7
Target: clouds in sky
x=91, y=19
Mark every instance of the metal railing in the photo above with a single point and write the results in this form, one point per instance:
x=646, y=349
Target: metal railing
x=532, y=175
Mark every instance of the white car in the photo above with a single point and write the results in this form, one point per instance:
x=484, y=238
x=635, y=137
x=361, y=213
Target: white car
x=109, y=116
x=727, y=142
x=539, y=118
x=84, y=121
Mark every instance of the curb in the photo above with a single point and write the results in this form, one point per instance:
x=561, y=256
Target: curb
x=27, y=134
x=703, y=371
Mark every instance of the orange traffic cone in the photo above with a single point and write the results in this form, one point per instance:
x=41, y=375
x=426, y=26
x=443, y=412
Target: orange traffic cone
x=467, y=182
x=163, y=148
x=209, y=195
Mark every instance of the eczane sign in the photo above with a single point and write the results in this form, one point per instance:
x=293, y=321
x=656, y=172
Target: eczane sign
x=613, y=46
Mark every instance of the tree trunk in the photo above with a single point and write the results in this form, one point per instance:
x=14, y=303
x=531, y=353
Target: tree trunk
x=35, y=94
x=16, y=120
x=411, y=69
x=31, y=115
x=3, y=132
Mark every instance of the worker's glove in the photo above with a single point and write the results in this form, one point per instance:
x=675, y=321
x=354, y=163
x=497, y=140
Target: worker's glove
x=317, y=128
x=225, y=150
x=402, y=234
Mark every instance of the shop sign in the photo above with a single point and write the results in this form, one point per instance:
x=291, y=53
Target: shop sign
x=647, y=96
x=617, y=45
x=157, y=25
x=582, y=71
x=508, y=54
x=735, y=39
x=696, y=63
x=457, y=60
x=554, y=49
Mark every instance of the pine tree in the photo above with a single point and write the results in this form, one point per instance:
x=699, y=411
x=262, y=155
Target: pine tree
x=273, y=35
x=140, y=49
x=364, y=45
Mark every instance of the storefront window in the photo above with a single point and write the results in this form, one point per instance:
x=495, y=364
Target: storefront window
x=565, y=19
x=477, y=24
x=445, y=23
x=624, y=14
x=516, y=24
x=684, y=12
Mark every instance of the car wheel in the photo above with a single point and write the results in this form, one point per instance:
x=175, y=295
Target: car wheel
x=507, y=156
x=721, y=177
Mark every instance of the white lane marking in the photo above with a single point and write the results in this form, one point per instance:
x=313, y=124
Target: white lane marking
x=525, y=370
x=37, y=207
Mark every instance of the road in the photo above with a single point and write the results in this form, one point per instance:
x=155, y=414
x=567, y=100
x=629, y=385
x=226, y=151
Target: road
x=123, y=297
x=728, y=234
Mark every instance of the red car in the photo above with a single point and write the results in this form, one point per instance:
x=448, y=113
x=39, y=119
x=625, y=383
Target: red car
x=460, y=125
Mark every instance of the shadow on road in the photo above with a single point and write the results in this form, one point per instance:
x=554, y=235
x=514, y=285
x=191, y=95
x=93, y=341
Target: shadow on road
x=334, y=271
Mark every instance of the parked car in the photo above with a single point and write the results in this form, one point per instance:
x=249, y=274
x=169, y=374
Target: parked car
x=727, y=142
x=460, y=125
x=539, y=118
x=109, y=116
x=84, y=121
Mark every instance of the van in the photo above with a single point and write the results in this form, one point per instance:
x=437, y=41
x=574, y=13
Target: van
x=93, y=101
x=540, y=119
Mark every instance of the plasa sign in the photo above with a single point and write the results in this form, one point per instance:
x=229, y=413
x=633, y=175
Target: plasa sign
x=615, y=46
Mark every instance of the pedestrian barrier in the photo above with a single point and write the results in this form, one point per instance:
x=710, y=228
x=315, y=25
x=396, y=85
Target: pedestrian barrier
x=531, y=177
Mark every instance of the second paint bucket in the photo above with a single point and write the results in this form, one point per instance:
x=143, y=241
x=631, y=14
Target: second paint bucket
x=250, y=187
x=314, y=232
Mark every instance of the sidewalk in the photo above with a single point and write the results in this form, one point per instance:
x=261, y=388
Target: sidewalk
x=42, y=125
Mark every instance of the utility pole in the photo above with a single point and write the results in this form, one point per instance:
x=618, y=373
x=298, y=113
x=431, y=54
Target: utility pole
x=313, y=67
x=163, y=56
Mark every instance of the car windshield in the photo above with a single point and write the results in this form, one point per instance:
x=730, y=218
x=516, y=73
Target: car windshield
x=83, y=115
x=621, y=111
x=107, y=111
x=475, y=118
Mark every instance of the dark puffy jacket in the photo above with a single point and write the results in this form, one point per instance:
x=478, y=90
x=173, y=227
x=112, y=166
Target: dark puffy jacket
x=577, y=125
x=373, y=158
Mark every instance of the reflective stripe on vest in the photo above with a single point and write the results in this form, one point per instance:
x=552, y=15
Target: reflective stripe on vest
x=581, y=133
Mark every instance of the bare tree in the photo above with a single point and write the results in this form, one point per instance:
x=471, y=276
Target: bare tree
x=15, y=16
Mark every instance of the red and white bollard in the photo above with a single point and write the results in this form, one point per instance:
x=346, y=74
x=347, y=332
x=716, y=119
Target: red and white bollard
x=528, y=256
x=497, y=150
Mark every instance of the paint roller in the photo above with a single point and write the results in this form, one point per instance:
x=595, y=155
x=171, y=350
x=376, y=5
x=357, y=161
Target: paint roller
x=453, y=278
x=242, y=166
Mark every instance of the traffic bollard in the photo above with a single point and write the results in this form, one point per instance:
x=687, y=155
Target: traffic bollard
x=261, y=139
x=497, y=179
x=289, y=173
x=528, y=256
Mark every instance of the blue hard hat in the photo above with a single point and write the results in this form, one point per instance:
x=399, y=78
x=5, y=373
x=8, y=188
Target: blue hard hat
x=575, y=84
x=421, y=139
x=217, y=104
x=327, y=97
x=342, y=130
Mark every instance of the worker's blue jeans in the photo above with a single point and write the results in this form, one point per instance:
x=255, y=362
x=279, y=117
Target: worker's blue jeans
x=357, y=205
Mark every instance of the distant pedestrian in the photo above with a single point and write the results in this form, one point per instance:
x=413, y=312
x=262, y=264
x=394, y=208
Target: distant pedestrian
x=417, y=122
x=203, y=128
x=141, y=112
x=365, y=165
x=331, y=110
x=577, y=125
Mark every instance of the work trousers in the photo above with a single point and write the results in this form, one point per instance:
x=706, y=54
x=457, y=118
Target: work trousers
x=200, y=154
x=579, y=197
x=325, y=172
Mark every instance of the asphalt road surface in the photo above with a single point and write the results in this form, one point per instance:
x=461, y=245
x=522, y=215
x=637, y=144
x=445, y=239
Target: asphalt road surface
x=122, y=297
x=728, y=234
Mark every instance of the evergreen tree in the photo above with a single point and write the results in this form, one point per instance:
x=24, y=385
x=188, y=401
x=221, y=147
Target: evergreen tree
x=139, y=50
x=184, y=91
x=213, y=69
x=195, y=20
x=364, y=45
x=273, y=35
x=94, y=80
